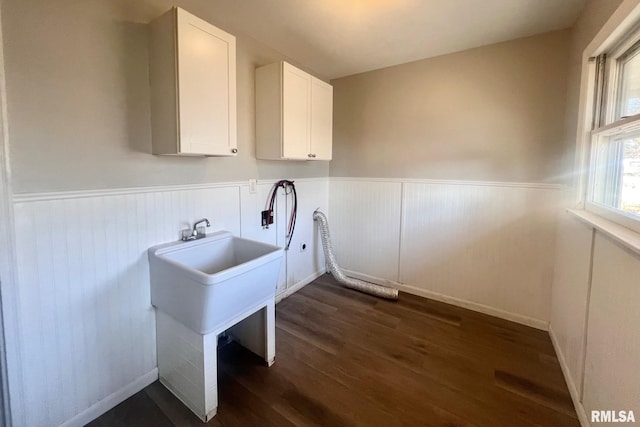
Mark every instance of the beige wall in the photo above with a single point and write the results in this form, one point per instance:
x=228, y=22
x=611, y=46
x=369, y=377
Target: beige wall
x=78, y=100
x=492, y=113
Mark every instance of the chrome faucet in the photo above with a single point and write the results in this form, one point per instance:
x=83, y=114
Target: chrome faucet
x=196, y=232
x=195, y=226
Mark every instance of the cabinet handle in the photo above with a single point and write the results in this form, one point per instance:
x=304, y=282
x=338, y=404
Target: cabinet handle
x=310, y=155
x=313, y=155
x=234, y=150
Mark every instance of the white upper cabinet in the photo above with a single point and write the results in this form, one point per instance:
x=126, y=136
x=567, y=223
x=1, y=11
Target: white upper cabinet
x=294, y=114
x=193, y=86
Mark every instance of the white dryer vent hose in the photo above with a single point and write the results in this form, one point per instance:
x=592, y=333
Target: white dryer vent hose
x=358, y=285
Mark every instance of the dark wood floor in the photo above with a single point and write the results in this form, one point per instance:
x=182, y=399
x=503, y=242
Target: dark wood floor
x=348, y=359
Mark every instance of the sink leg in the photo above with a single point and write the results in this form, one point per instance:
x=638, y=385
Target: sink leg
x=184, y=354
x=210, y=368
x=270, y=333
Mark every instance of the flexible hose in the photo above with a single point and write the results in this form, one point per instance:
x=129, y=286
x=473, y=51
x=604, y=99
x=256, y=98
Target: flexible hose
x=358, y=285
x=267, y=215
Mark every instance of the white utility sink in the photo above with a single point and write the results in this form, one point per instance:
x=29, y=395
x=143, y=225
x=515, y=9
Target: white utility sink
x=204, y=287
x=206, y=282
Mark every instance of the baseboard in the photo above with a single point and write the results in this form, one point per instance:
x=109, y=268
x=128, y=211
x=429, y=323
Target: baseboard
x=113, y=400
x=492, y=311
x=573, y=391
x=301, y=284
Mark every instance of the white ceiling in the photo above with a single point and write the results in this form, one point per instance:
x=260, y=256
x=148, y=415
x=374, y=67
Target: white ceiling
x=342, y=37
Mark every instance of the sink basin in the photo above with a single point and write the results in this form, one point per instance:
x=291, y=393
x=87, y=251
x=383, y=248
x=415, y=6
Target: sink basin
x=211, y=283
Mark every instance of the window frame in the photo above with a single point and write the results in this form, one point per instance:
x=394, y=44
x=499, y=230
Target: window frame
x=605, y=109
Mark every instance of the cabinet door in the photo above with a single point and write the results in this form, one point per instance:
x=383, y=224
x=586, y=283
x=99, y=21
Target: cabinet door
x=296, y=104
x=206, y=87
x=321, y=119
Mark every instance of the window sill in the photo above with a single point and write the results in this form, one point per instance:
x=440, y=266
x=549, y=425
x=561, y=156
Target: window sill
x=626, y=237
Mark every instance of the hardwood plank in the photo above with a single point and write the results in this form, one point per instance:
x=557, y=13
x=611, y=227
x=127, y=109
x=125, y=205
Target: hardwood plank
x=354, y=372
x=296, y=320
x=439, y=312
x=536, y=392
x=319, y=392
x=456, y=385
x=281, y=391
x=173, y=409
x=327, y=284
x=239, y=406
x=139, y=410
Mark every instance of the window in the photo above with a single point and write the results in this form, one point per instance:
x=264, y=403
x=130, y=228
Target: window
x=614, y=175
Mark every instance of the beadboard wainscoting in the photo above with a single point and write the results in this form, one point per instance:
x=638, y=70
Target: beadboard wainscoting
x=304, y=266
x=481, y=245
x=595, y=292
x=365, y=226
x=87, y=327
x=570, y=296
x=611, y=376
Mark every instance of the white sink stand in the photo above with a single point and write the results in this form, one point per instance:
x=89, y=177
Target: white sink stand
x=188, y=361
